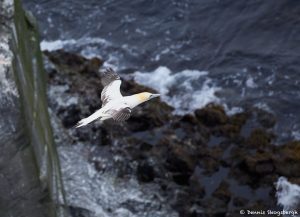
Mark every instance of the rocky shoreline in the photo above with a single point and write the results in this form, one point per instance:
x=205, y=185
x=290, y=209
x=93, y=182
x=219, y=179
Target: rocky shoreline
x=203, y=164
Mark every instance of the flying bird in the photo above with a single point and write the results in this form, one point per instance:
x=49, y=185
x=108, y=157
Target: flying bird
x=114, y=105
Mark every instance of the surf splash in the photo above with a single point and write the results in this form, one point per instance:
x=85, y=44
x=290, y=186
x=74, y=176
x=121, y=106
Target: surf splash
x=288, y=194
x=179, y=89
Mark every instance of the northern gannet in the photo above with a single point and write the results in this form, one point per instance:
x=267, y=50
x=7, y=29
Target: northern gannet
x=114, y=105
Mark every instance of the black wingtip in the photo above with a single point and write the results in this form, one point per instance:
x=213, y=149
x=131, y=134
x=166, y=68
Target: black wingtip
x=79, y=124
x=75, y=126
x=109, y=75
x=108, y=70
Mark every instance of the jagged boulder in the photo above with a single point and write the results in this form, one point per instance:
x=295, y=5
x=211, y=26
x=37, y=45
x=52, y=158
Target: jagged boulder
x=287, y=159
x=211, y=115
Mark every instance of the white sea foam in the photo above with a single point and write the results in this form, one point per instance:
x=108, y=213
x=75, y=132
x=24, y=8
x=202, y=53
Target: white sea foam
x=173, y=49
x=56, y=45
x=250, y=83
x=288, y=194
x=263, y=106
x=179, y=89
x=140, y=31
x=59, y=44
x=58, y=92
x=232, y=110
x=296, y=135
x=89, y=48
x=105, y=194
x=112, y=62
x=7, y=84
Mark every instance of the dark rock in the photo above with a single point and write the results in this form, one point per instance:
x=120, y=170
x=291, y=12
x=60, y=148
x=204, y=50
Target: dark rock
x=131, y=87
x=209, y=159
x=227, y=130
x=264, y=168
x=196, y=185
x=287, y=159
x=70, y=115
x=183, y=202
x=232, y=128
x=239, y=119
x=93, y=64
x=145, y=172
x=260, y=163
x=239, y=201
x=181, y=164
x=215, y=206
x=189, y=118
x=152, y=114
x=212, y=115
x=140, y=123
x=295, y=181
x=145, y=146
x=236, y=156
x=223, y=192
x=72, y=63
x=259, y=138
x=79, y=212
x=258, y=206
x=104, y=136
x=210, y=165
x=188, y=125
x=265, y=118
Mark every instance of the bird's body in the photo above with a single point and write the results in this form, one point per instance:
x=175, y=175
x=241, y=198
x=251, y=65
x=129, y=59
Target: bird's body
x=114, y=105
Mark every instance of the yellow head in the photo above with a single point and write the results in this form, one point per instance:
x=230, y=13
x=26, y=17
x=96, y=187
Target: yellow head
x=145, y=96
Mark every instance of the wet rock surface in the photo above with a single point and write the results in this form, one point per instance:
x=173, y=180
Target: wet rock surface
x=201, y=164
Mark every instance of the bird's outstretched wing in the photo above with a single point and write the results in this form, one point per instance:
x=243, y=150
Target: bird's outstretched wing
x=112, y=82
x=121, y=115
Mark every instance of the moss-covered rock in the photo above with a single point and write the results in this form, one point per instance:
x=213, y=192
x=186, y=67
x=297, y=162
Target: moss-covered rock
x=73, y=63
x=240, y=201
x=131, y=87
x=259, y=164
x=239, y=119
x=223, y=192
x=152, y=114
x=259, y=138
x=227, y=130
x=266, y=119
x=181, y=162
x=145, y=172
x=287, y=159
x=211, y=115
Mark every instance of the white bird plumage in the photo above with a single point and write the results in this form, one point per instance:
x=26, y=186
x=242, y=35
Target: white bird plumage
x=114, y=105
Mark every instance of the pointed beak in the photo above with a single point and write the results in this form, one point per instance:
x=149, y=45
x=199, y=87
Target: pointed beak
x=154, y=95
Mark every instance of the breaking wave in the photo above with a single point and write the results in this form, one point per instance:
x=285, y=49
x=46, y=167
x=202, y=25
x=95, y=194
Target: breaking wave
x=178, y=89
x=59, y=44
x=288, y=194
x=103, y=194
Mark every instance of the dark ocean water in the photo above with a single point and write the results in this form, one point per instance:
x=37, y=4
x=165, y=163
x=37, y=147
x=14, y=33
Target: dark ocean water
x=239, y=53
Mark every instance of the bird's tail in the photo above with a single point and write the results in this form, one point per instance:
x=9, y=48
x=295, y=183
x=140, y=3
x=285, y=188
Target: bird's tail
x=82, y=122
x=89, y=119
